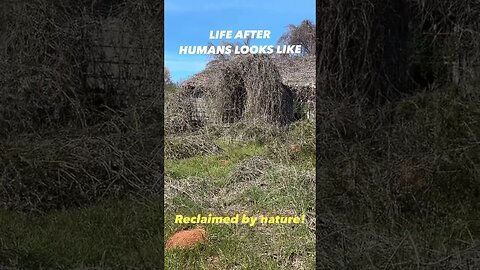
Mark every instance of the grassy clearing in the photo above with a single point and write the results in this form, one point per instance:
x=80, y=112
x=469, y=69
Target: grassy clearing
x=244, y=178
x=214, y=166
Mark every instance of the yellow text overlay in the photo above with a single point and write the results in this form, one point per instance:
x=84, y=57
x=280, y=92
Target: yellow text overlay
x=239, y=219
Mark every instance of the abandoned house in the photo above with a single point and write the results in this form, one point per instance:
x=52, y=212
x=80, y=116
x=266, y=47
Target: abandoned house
x=277, y=90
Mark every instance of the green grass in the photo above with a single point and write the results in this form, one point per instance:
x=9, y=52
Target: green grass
x=214, y=166
x=125, y=233
x=259, y=247
x=115, y=234
x=219, y=186
x=243, y=248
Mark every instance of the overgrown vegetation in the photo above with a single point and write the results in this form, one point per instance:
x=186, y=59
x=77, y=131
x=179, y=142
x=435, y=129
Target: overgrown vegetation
x=246, y=157
x=80, y=137
x=404, y=193
x=253, y=173
x=398, y=151
x=250, y=89
x=302, y=34
x=62, y=172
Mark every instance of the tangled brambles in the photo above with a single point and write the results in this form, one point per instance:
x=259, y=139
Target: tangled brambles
x=250, y=88
x=247, y=89
x=61, y=173
x=189, y=146
x=179, y=112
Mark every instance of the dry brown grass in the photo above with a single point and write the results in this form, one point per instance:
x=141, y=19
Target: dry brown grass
x=186, y=146
x=58, y=173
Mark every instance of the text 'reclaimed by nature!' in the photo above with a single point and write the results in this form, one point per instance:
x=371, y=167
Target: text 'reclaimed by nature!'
x=239, y=219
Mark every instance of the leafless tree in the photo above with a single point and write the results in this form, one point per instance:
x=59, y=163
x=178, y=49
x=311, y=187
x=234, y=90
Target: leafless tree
x=303, y=34
x=166, y=76
x=216, y=57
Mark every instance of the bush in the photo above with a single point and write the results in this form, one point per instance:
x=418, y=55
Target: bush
x=179, y=110
x=61, y=172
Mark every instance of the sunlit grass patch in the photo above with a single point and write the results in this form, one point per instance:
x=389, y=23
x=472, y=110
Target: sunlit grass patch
x=214, y=166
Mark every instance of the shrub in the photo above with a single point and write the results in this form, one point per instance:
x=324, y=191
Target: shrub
x=61, y=172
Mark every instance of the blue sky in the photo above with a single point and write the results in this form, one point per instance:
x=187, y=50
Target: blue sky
x=188, y=22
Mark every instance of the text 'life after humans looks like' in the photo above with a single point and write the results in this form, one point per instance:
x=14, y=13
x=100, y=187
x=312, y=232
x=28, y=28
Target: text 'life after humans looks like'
x=240, y=34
